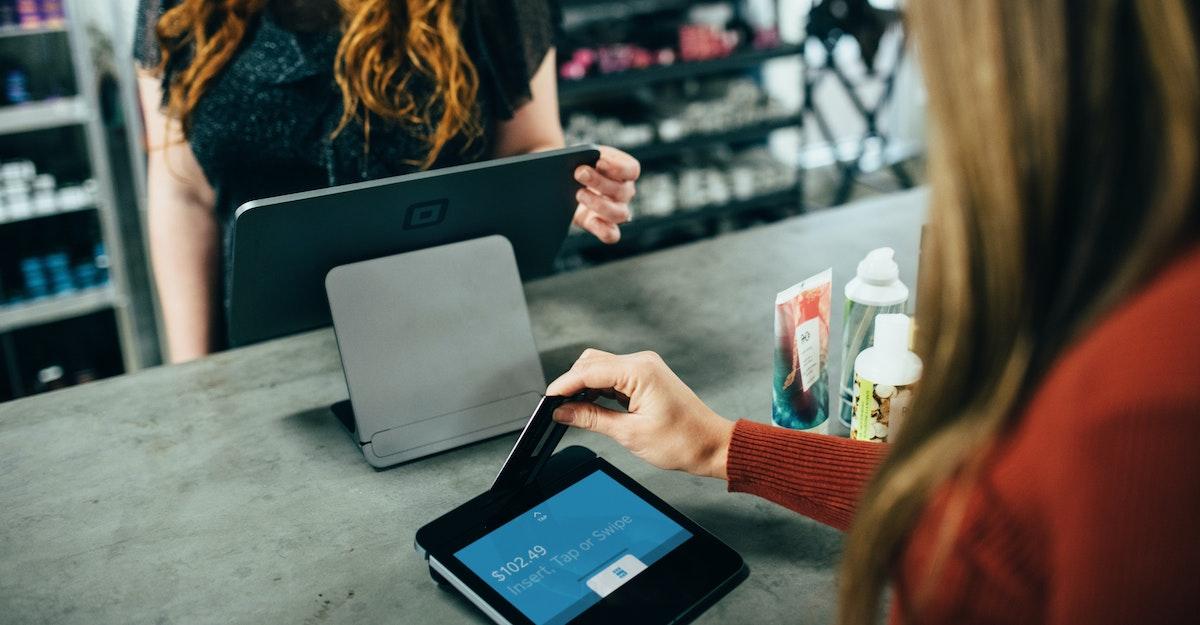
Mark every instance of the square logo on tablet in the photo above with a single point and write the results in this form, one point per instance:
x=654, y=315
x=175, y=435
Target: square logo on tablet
x=425, y=214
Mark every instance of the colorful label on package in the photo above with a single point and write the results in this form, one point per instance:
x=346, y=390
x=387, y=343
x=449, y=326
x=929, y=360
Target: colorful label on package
x=800, y=394
x=879, y=409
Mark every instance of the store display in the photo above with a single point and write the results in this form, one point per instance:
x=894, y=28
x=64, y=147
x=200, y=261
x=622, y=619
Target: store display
x=25, y=193
x=738, y=177
x=699, y=124
x=31, y=14
x=53, y=262
x=739, y=103
x=704, y=32
x=53, y=275
x=65, y=318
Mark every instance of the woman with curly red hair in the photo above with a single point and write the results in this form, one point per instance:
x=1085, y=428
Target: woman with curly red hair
x=247, y=99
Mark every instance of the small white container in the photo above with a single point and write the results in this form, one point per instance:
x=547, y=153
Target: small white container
x=16, y=198
x=884, y=376
x=72, y=198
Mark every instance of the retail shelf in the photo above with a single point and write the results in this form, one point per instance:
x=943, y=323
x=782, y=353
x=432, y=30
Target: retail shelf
x=571, y=91
x=628, y=7
x=745, y=133
x=9, y=220
x=77, y=304
x=7, y=32
x=582, y=242
x=38, y=115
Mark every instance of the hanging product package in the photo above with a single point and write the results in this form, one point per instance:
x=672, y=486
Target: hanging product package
x=800, y=398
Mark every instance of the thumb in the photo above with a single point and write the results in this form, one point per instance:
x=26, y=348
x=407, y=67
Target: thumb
x=587, y=416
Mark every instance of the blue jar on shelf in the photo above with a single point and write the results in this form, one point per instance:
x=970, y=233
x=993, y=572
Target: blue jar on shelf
x=33, y=270
x=58, y=266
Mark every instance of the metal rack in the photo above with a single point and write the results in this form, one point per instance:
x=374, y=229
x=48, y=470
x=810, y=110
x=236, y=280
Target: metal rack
x=825, y=35
x=82, y=111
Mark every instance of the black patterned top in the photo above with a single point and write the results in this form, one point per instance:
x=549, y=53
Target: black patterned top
x=264, y=127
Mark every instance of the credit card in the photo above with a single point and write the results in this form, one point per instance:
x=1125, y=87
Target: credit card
x=536, y=443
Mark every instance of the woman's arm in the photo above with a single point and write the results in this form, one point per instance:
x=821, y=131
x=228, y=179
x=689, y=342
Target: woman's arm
x=670, y=427
x=182, y=228
x=819, y=476
x=535, y=126
x=608, y=187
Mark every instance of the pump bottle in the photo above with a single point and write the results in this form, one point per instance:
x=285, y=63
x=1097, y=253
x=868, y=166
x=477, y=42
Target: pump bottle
x=875, y=290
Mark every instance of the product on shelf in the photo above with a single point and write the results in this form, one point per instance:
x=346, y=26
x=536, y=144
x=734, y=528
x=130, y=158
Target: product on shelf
x=16, y=86
x=52, y=12
x=53, y=275
x=699, y=42
x=56, y=262
x=31, y=13
x=700, y=32
x=738, y=177
x=33, y=270
x=24, y=193
x=740, y=104
x=50, y=379
x=612, y=59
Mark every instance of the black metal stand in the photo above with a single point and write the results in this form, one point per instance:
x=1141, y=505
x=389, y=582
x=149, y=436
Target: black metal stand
x=829, y=21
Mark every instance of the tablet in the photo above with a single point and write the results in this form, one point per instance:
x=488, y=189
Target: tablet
x=283, y=247
x=590, y=545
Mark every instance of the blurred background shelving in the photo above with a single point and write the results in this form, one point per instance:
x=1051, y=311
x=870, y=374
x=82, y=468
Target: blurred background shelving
x=680, y=85
x=741, y=111
x=67, y=304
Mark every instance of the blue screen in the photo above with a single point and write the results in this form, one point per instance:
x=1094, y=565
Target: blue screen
x=558, y=559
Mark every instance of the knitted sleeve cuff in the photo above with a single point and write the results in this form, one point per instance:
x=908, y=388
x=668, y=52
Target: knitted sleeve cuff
x=819, y=476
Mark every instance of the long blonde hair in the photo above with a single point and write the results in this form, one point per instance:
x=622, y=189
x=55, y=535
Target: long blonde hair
x=384, y=46
x=1064, y=165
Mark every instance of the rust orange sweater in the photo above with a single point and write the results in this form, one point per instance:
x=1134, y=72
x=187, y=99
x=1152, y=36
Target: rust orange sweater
x=1089, y=512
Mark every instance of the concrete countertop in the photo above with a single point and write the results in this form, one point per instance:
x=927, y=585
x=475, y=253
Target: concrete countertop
x=224, y=491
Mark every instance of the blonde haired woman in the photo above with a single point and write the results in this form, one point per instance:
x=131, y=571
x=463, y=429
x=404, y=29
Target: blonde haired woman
x=1048, y=472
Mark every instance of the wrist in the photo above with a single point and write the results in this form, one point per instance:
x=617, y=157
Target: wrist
x=717, y=452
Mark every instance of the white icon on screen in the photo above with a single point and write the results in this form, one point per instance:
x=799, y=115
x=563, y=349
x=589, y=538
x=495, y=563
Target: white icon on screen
x=615, y=575
x=538, y=516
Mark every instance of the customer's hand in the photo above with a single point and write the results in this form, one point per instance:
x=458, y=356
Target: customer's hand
x=607, y=189
x=667, y=425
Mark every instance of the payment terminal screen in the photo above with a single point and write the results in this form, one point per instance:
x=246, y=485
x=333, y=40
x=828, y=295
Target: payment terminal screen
x=563, y=556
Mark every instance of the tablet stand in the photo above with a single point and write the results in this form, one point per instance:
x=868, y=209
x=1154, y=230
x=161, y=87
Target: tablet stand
x=436, y=347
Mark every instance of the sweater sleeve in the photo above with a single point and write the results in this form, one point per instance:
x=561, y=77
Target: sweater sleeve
x=819, y=476
x=1125, y=504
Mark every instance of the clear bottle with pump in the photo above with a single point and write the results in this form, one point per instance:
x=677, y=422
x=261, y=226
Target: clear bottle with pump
x=875, y=290
x=884, y=377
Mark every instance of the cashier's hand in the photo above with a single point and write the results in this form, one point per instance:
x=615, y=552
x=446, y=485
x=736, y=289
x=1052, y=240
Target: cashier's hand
x=666, y=425
x=607, y=189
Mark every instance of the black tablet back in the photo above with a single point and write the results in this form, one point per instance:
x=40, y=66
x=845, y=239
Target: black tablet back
x=283, y=247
